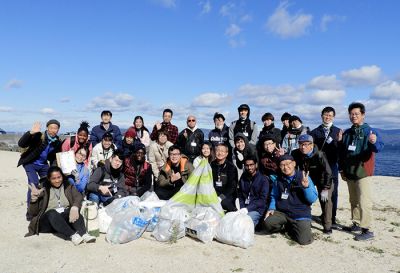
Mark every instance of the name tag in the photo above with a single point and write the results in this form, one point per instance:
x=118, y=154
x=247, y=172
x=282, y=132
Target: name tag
x=193, y=144
x=329, y=140
x=247, y=201
x=246, y=134
x=352, y=148
x=218, y=183
x=60, y=209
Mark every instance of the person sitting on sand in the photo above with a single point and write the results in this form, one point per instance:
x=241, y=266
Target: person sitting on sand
x=108, y=182
x=55, y=206
x=39, y=149
x=291, y=200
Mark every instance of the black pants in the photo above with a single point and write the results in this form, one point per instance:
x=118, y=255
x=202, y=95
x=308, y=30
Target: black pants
x=299, y=230
x=54, y=222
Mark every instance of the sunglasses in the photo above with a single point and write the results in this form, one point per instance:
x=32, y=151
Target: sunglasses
x=191, y=120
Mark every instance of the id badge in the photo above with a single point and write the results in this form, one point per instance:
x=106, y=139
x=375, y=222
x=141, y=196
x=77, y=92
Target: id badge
x=218, y=183
x=352, y=148
x=60, y=209
x=329, y=140
x=247, y=201
x=284, y=195
x=246, y=134
x=193, y=144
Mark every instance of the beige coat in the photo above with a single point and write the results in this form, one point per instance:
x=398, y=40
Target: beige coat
x=158, y=157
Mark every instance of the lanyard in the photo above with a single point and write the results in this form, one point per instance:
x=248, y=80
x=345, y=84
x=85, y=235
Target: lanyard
x=58, y=196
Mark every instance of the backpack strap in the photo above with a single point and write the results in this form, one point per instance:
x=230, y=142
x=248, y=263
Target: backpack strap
x=71, y=142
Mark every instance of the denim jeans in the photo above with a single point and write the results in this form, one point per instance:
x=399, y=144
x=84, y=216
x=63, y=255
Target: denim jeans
x=98, y=198
x=34, y=173
x=255, y=216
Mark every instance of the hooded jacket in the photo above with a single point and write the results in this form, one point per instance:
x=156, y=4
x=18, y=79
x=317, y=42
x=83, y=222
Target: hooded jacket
x=360, y=162
x=185, y=169
x=254, y=189
x=137, y=177
x=103, y=176
x=291, y=140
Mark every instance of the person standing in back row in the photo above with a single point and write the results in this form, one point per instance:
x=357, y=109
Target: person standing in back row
x=191, y=139
x=105, y=126
x=357, y=149
x=243, y=125
x=167, y=126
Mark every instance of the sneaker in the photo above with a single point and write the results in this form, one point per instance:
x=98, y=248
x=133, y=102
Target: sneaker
x=352, y=228
x=327, y=231
x=87, y=238
x=76, y=239
x=364, y=236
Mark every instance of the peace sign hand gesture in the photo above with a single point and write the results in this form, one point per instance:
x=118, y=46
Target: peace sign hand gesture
x=35, y=192
x=304, y=180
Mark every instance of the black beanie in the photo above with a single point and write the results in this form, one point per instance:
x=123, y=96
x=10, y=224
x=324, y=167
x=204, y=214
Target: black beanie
x=53, y=121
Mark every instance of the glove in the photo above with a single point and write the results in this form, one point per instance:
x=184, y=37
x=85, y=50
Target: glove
x=76, y=176
x=73, y=214
x=324, y=195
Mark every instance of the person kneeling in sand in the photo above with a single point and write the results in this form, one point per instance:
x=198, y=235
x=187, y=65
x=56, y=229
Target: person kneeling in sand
x=55, y=206
x=108, y=181
x=291, y=200
x=173, y=174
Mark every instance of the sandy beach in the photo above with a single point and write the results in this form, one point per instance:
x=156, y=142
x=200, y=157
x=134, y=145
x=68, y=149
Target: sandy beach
x=271, y=253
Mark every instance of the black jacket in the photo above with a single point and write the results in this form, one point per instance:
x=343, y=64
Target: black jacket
x=318, y=166
x=34, y=145
x=227, y=189
x=191, y=145
x=329, y=145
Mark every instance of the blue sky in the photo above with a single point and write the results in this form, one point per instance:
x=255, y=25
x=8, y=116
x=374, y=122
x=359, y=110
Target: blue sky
x=71, y=59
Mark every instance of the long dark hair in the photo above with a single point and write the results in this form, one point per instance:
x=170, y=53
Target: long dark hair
x=143, y=127
x=211, y=157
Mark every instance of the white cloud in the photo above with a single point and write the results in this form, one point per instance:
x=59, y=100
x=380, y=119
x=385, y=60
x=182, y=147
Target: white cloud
x=246, y=18
x=282, y=23
x=210, y=100
x=13, y=83
x=233, y=30
x=235, y=43
x=387, y=90
x=205, y=7
x=227, y=9
x=325, y=82
x=65, y=100
x=116, y=102
x=331, y=97
x=47, y=111
x=365, y=75
x=327, y=19
x=166, y=3
x=5, y=109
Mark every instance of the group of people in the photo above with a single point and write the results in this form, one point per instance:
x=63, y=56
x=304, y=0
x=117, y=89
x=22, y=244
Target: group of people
x=273, y=174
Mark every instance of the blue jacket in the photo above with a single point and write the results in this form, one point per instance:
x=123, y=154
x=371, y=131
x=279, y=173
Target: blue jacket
x=329, y=145
x=83, y=178
x=256, y=189
x=98, y=131
x=298, y=203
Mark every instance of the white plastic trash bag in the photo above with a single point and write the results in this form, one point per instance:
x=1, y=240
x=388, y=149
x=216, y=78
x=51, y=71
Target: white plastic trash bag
x=149, y=196
x=128, y=225
x=171, y=225
x=203, y=224
x=236, y=228
x=121, y=204
x=104, y=220
x=155, y=208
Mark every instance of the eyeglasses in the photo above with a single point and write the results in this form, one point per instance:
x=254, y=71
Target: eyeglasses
x=306, y=144
x=191, y=120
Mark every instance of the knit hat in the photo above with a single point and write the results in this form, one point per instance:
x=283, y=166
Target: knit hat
x=130, y=133
x=53, y=121
x=139, y=146
x=285, y=116
x=305, y=138
x=107, y=135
